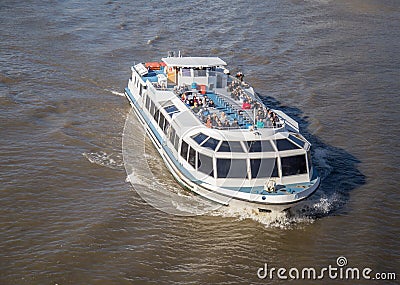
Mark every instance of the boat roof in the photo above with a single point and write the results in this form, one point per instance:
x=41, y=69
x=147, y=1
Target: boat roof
x=193, y=61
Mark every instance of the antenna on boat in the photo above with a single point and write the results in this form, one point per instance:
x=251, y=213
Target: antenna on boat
x=179, y=54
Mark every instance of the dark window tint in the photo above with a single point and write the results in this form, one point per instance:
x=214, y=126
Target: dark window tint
x=152, y=107
x=230, y=147
x=309, y=160
x=192, y=157
x=205, y=164
x=184, y=149
x=231, y=168
x=156, y=115
x=166, y=125
x=259, y=146
x=171, y=109
x=147, y=102
x=176, y=142
x=263, y=168
x=297, y=140
x=294, y=165
x=285, y=145
x=161, y=122
x=211, y=143
x=199, y=138
x=171, y=135
x=224, y=147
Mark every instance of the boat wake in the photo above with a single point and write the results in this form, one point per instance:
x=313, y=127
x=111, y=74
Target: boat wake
x=151, y=179
x=112, y=160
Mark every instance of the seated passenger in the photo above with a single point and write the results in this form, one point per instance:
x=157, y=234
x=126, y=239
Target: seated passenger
x=211, y=104
x=195, y=108
x=223, y=117
x=246, y=105
x=259, y=123
x=235, y=123
x=209, y=123
x=226, y=124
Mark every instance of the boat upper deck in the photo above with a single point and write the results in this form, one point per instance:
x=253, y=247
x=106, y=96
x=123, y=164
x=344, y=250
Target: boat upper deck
x=232, y=105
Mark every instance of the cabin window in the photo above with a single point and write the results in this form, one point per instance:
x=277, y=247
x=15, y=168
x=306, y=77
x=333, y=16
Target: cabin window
x=200, y=72
x=309, y=160
x=211, y=143
x=264, y=168
x=166, y=125
x=285, y=145
x=205, y=164
x=161, y=121
x=231, y=146
x=192, y=157
x=184, y=150
x=140, y=89
x=147, y=102
x=176, y=141
x=294, y=165
x=186, y=72
x=157, y=115
x=171, y=110
x=259, y=146
x=171, y=135
x=199, y=138
x=297, y=140
x=152, y=107
x=231, y=168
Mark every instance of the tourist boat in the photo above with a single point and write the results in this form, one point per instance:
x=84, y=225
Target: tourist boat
x=217, y=137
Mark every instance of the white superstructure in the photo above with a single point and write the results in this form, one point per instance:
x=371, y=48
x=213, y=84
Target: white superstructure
x=217, y=137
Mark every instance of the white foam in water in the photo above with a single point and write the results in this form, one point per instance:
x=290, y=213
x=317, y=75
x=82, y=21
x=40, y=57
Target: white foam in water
x=282, y=220
x=113, y=161
x=115, y=92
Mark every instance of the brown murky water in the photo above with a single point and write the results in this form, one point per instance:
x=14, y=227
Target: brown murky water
x=67, y=214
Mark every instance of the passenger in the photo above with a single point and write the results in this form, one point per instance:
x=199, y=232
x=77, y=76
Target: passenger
x=191, y=101
x=219, y=123
x=223, y=117
x=211, y=104
x=209, y=123
x=235, y=123
x=183, y=97
x=226, y=124
x=195, y=108
x=214, y=119
x=259, y=123
x=206, y=100
x=246, y=105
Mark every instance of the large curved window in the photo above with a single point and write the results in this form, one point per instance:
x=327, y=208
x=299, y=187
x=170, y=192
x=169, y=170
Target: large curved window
x=232, y=146
x=199, y=138
x=205, y=164
x=211, y=143
x=231, y=168
x=192, y=157
x=260, y=146
x=264, y=168
x=285, y=145
x=309, y=160
x=294, y=165
x=184, y=149
x=297, y=140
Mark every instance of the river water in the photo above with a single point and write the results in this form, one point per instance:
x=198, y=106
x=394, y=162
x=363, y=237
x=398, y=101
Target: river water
x=68, y=214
